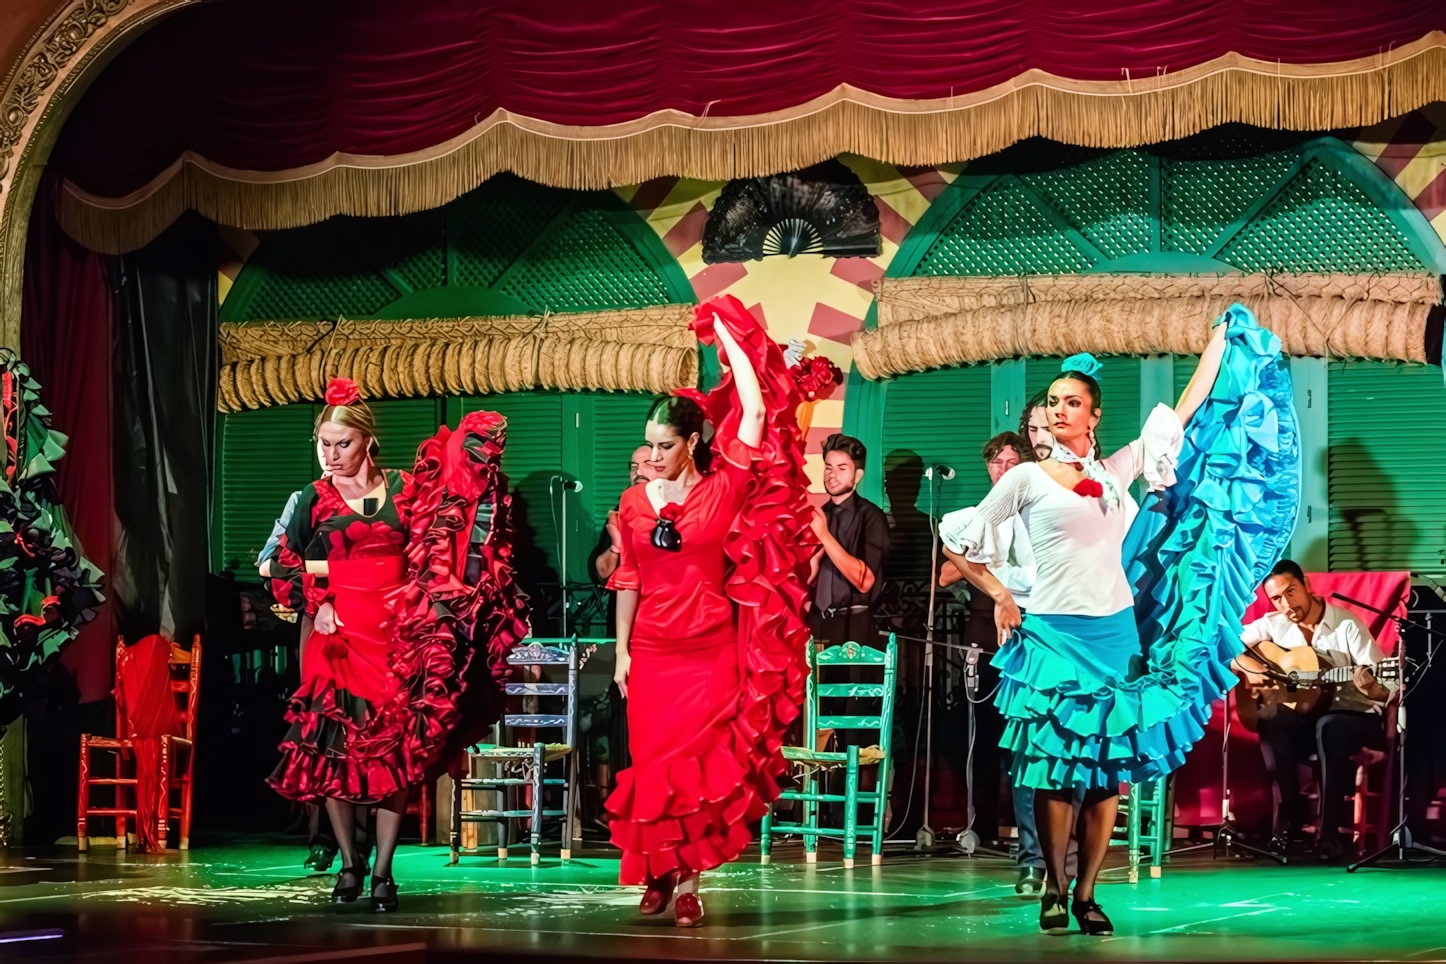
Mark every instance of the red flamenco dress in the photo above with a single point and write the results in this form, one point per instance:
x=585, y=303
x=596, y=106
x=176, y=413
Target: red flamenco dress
x=414, y=581
x=718, y=641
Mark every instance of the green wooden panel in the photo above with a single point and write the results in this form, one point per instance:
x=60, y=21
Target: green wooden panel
x=1319, y=206
x=265, y=456
x=402, y=425
x=932, y=417
x=617, y=429
x=1387, y=510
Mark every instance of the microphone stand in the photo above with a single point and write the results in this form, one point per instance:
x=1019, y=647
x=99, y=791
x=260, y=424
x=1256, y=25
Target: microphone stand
x=1401, y=841
x=924, y=839
x=967, y=838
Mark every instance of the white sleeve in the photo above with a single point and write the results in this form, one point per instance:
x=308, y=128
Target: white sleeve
x=1256, y=632
x=974, y=532
x=1018, y=572
x=1154, y=454
x=1359, y=643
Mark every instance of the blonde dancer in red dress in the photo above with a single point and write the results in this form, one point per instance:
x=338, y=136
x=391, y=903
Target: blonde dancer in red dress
x=712, y=587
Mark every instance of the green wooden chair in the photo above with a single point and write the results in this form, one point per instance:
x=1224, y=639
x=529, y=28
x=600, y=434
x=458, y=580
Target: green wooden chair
x=519, y=767
x=811, y=760
x=1146, y=824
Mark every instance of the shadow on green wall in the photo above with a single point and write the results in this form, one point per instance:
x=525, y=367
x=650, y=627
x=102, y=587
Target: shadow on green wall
x=1372, y=524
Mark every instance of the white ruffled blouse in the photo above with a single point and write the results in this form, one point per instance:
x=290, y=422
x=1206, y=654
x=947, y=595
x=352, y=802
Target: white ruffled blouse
x=1077, y=540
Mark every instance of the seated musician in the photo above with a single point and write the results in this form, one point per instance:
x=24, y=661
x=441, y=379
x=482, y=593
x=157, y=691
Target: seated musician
x=1352, y=720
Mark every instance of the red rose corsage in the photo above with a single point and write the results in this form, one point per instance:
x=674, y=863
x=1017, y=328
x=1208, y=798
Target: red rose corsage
x=1089, y=488
x=342, y=391
x=816, y=377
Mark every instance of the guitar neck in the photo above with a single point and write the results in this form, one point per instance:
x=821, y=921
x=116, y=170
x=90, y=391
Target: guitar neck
x=1384, y=670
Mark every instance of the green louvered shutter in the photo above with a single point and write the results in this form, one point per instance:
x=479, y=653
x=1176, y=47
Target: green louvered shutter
x=617, y=430
x=1387, y=510
x=931, y=417
x=265, y=456
x=402, y=425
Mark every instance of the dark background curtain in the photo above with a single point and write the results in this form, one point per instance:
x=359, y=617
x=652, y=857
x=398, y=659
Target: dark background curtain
x=165, y=409
x=66, y=338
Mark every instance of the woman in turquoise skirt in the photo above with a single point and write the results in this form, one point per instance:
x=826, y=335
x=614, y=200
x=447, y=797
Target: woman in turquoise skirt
x=1135, y=614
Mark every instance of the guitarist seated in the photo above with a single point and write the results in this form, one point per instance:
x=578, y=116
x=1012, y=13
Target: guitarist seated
x=1352, y=717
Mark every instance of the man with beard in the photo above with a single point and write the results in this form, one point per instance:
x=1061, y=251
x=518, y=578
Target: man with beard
x=1034, y=426
x=855, y=539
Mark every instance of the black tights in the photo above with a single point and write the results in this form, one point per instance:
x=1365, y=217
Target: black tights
x=1054, y=815
x=390, y=811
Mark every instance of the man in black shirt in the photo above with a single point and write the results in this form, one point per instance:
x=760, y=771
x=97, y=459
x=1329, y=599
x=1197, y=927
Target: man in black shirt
x=855, y=537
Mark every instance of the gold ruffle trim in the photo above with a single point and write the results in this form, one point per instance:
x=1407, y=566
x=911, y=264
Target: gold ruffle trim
x=1124, y=113
x=937, y=321
x=274, y=363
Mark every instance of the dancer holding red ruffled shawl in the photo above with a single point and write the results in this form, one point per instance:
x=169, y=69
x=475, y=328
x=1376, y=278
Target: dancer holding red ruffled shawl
x=712, y=586
x=397, y=574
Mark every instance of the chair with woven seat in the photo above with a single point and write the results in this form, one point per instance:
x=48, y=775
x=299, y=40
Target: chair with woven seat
x=517, y=766
x=813, y=759
x=150, y=710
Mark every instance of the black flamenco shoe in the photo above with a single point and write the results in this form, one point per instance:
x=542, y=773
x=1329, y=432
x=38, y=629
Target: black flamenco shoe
x=1053, y=916
x=384, y=895
x=1082, y=909
x=349, y=893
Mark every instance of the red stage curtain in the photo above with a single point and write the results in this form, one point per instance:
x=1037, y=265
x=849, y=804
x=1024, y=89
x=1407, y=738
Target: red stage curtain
x=269, y=85
x=65, y=338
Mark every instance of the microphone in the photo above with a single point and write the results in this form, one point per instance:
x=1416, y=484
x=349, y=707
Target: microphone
x=945, y=472
x=572, y=484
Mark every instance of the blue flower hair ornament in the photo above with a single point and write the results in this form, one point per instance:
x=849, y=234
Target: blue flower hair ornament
x=1084, y=363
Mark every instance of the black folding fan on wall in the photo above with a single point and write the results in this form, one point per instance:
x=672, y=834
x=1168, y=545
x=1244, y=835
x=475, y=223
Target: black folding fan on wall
x=824, y=209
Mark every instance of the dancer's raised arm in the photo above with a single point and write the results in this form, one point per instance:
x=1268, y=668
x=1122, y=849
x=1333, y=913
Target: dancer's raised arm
x=1204, y=378
x=745, y=379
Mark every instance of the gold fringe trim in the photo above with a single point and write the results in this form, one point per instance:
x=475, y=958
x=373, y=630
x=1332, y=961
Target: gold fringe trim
x=1124, y=113
x=934, y=322
x=276, y=363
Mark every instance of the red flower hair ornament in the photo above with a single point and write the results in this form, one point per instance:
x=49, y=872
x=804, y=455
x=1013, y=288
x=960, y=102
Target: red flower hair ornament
x=342, y=391
x=816, y=377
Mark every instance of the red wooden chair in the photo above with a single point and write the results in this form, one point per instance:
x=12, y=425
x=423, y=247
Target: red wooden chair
x=420, y=805
x=155, y=725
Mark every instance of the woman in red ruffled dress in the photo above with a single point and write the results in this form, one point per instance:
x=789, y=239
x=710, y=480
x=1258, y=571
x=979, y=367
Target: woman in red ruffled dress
x=712, y=589
x=398, y=574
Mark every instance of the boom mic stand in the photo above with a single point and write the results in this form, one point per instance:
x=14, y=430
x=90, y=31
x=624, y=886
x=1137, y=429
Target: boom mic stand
x=1401, y=841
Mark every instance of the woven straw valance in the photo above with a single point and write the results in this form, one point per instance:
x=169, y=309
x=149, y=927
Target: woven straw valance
x=933, y=322
x=274, y=363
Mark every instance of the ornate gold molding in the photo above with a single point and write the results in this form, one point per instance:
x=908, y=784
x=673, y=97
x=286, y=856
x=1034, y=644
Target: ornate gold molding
x=60, y=61
x=40, y=68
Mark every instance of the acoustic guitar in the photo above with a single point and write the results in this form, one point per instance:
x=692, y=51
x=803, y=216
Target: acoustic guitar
x=1271, y=674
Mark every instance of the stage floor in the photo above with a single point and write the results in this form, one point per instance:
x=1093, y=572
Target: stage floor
x=250, y=900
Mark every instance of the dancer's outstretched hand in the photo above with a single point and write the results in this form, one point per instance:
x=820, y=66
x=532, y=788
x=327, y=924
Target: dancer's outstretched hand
x=1006, y=618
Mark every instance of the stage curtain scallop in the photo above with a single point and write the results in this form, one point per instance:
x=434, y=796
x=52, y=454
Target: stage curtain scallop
x=271, y=85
